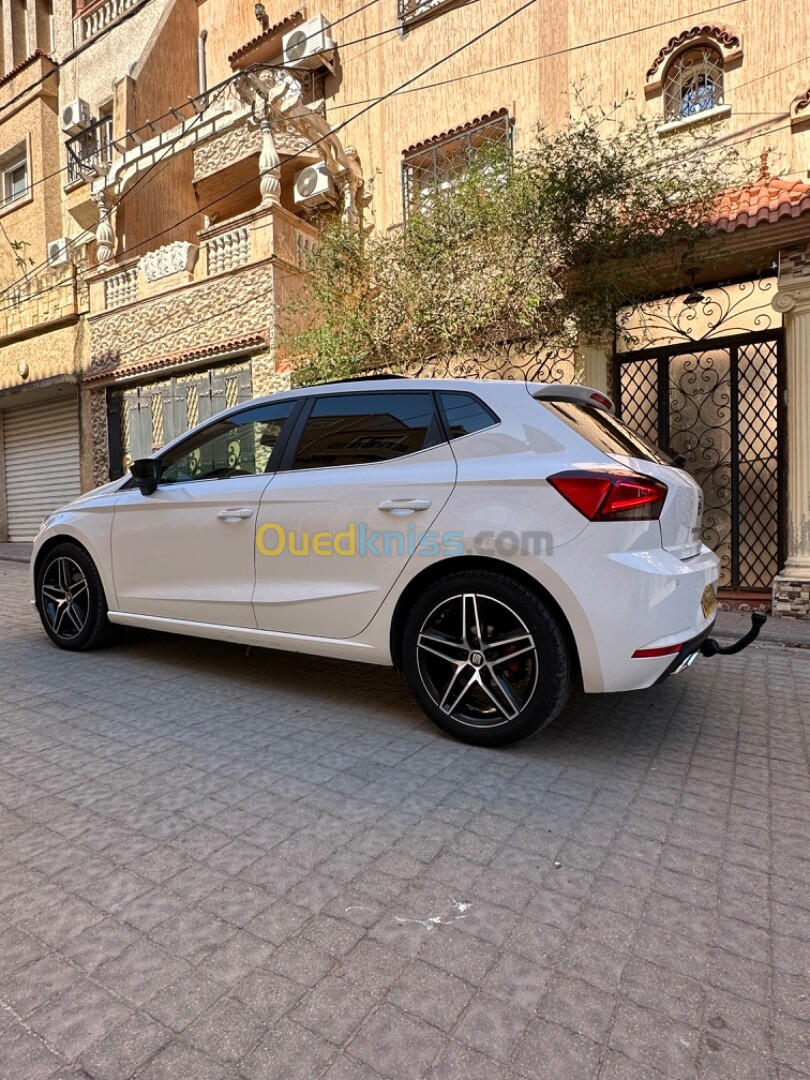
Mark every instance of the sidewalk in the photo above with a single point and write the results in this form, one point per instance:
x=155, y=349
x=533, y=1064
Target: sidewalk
x=16, y=552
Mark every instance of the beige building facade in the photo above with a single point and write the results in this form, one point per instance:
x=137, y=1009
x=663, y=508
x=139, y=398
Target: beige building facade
x=184, y=152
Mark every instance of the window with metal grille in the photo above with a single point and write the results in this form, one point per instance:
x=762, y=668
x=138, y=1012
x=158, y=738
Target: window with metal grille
x=693, y=83
x=440, y=164
x=413, y=10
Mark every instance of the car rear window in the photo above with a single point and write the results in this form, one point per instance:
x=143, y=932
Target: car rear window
x=465, y=414
x=604, y=431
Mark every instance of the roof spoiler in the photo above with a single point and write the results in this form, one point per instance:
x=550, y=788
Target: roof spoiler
x=585, y=395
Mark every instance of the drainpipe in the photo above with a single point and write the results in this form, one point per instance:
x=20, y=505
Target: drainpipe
x=201, y=61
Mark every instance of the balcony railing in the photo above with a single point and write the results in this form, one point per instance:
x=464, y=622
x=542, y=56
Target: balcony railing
x=93, y=146
x=93, y=19
x=412, y=10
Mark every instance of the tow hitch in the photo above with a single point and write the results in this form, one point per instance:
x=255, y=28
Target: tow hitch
x=710, y=647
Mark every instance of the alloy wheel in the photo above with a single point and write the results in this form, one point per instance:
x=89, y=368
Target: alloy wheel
x=65, y=597
x=477, y=659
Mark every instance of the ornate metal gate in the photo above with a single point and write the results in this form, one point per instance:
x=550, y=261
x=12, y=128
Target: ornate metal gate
x=719, y=403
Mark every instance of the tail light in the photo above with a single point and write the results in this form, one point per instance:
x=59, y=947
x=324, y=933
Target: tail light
x=611, y=494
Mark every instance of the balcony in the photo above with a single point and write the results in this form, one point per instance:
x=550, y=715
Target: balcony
x=91, y=147
x=412, y=11
x=93, y=16
x=184, y=300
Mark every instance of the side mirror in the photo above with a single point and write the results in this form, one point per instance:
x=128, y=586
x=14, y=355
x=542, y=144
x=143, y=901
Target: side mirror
x=147, y=474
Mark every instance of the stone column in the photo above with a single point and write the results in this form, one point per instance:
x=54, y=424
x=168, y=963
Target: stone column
x=791, y=588
x=269, y=166
x=105, y=233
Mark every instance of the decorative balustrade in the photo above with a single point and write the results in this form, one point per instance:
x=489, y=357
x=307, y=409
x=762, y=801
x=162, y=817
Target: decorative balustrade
x=100, y=17
x=228, y=250
x=121, y=289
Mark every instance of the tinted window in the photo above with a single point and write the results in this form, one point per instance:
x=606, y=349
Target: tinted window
x=465, y=413
x=605, y=432
x=358, y=429
x=238, y=445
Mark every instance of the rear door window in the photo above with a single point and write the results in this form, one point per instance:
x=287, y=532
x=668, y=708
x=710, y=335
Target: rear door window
x=361, y=429
x=604, y=431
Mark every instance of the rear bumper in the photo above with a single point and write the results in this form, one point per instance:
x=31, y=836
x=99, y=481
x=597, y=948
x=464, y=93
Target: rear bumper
x=689, y=650
x=638, y=600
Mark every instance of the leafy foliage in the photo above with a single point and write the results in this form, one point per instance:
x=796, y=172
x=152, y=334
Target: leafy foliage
x=543, y=248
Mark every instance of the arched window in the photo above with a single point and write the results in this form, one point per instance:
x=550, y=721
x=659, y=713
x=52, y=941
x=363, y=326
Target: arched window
x=693, y=83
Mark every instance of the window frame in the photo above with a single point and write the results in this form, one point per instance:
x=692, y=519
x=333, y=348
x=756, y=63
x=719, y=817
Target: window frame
x=463, y=133
x=195, y=433
x=10, y=160
x=448, y=433
x=436, y=435
x=414, y=12
x=674, y=84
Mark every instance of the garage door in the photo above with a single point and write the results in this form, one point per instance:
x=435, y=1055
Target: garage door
x=41, y=451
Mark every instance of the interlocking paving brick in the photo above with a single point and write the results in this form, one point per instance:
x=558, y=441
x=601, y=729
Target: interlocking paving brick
x=227, y=1032
x=141, y=971
x=431, y=994
x=288, y=1052
x=396, y=1045
x=37, y=983
x=123, y=1050
x=77, y=1017
x=232, y=871
x=181, y=1062
x=178, y=1005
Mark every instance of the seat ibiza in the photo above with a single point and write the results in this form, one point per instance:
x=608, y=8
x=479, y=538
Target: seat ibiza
x=496, y=541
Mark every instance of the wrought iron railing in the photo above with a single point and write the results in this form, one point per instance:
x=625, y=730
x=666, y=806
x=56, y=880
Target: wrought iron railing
x=313, y=88
x=439, y=164
x=90, y=147
x=410, y=10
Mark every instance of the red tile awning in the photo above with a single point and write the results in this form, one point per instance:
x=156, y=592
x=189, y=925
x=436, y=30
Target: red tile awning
x=768, y=199
x=204, y=352
x=287, y=23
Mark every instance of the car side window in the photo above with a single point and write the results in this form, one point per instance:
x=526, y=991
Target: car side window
x=359, y=429
x=238, y=445
x=465, y=413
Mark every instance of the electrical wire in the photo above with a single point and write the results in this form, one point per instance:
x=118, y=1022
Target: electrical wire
x=405, y=87
x=299, y=153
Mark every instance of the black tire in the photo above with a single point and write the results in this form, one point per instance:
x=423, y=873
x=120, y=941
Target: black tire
x=513, y=679
x=70, y=599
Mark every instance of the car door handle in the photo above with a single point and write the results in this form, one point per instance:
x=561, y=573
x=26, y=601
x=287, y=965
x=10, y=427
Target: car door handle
x=235, y=515
x=392, y=505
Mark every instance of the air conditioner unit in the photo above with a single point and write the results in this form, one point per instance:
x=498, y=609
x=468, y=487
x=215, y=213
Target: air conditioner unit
x=308, y=44
x=76, y=116
x=59, y=251
x=314, y=185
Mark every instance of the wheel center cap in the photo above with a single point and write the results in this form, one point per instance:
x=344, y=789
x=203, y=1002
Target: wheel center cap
x=68, y=598
x=477, y=659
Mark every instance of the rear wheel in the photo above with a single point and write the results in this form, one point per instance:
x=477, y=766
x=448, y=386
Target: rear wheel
x=70, y=599
x=485, y=658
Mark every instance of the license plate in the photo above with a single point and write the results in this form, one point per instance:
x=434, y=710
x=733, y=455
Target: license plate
x=709, y=601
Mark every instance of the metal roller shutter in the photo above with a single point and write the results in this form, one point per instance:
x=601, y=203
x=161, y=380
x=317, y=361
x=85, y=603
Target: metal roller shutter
x=41, y=449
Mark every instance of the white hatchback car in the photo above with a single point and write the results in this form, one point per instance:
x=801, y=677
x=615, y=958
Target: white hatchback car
x=494, y=540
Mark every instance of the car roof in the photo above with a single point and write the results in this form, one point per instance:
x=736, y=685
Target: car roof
x=399, y=383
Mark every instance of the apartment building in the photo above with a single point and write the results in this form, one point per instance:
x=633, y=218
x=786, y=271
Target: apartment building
x=181, y=155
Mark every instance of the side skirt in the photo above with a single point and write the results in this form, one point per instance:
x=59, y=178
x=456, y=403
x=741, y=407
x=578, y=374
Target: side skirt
x=265, y=639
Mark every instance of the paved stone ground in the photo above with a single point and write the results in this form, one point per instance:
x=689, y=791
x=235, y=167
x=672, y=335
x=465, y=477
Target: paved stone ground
x=220, y=865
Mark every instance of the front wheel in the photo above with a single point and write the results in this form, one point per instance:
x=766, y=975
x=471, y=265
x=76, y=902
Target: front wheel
x=70, y=599
x=486, y=658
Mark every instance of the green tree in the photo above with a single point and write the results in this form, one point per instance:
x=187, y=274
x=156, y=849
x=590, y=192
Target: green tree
x=540, y=249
